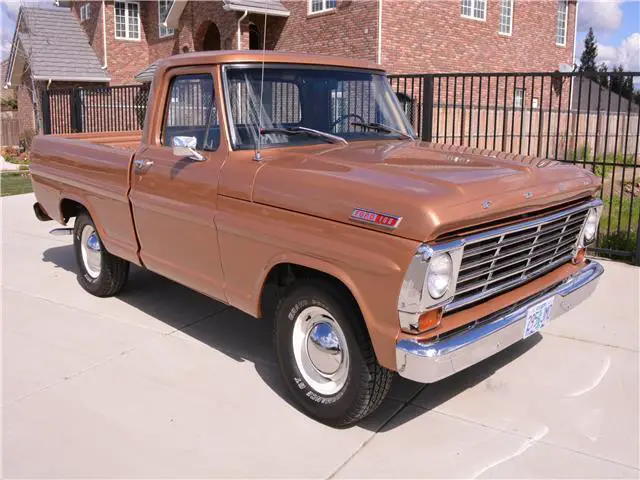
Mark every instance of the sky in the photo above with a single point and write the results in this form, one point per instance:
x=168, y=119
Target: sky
x=616, y=24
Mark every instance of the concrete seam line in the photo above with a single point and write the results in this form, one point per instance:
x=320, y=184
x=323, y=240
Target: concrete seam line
x=366, y=442
x=526, y=436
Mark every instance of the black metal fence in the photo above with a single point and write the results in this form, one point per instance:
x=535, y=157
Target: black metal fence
x=587, y=119
x=94, y=109
x=591, y=120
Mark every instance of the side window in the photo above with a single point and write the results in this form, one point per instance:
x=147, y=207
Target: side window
x=191, y=111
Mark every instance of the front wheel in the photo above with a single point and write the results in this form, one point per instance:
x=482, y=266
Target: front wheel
x=325, y=354
x=99, y=272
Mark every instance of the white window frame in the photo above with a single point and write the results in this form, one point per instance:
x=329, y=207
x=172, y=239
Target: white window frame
x=473, y=9
x=323, y=9
x=562, y=12
x=168, y=32
x=126, y=21
x=85, y=12
x=502, y=5
x=518, y=100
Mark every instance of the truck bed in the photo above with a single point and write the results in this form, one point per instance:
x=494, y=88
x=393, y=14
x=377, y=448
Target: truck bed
x=92, y=170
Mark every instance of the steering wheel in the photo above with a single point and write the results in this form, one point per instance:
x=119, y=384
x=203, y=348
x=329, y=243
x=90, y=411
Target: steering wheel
x=344, y=117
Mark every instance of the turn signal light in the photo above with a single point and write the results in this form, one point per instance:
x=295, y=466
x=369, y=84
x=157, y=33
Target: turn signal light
x=430, y=319
x=580, y=256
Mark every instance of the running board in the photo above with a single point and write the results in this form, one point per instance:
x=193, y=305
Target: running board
x=58, y=232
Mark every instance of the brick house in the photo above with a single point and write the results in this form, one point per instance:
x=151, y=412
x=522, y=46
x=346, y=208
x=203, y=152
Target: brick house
x=49, y=50
x=402, y=35
x=405, y=36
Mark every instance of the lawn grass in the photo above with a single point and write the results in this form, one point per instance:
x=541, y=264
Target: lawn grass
x=602, y=166
x=15, y=183
x=624, y=218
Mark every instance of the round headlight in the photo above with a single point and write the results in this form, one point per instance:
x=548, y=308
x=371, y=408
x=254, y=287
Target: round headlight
x=590, y=227
x=439, y=275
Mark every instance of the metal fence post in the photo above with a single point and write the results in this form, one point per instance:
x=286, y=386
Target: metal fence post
x=46, y=113
x=76, y=110
x=426, y=133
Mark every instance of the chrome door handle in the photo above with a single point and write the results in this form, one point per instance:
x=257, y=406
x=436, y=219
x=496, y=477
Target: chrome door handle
x=141, y=165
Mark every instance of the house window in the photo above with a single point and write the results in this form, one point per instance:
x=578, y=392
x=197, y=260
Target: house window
x=534, y=102
x=506, y=16
x=316, y=6
x=561, y=25
x=127, y=20
x=518, y=100
x=476, y=9
x=85, y=12
x=163, y=10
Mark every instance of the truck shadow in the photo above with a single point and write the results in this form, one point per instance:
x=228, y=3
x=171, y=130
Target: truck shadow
x=244, y=339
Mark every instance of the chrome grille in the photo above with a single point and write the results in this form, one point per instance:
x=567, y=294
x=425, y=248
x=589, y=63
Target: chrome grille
x=495, y=261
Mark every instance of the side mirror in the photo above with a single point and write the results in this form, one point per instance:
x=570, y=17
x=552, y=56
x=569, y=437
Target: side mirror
x=186, y=147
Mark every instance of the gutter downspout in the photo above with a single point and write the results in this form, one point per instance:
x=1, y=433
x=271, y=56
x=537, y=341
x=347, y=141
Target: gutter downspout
x=575, y=34
x=379, y=53
x=239, y=32
x=575, y=45
x=104, y=36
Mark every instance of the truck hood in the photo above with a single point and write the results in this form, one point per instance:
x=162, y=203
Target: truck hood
x=435, y=188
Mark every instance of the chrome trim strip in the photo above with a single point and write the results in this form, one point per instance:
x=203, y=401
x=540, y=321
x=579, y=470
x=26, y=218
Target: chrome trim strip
x=430, y=362
x=531, y=223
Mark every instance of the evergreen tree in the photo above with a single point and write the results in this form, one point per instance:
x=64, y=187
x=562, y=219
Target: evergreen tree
x=590, y=53
x=615, y=81
x=603, y=75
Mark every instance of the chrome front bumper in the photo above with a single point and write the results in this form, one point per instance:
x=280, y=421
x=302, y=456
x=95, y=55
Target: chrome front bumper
x=430, y=362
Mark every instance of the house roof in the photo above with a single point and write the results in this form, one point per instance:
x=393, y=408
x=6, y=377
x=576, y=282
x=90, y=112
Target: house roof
x=55, y=46
x=146, y=75
x=270, y=7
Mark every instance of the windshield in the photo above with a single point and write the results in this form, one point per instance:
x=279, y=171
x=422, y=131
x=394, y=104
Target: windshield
x=351, y=104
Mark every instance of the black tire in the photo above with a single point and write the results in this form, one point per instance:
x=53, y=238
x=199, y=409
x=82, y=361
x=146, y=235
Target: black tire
x=367, y=383
x=113, y=270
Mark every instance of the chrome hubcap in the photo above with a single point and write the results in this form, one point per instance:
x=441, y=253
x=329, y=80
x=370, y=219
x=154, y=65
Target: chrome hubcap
x=90, y=250
x=320, y=350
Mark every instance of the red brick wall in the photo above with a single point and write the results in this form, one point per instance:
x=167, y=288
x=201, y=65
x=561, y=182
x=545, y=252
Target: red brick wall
x=125, y=58
x=194, y=22
x=158, y=47
x=26, y=117
x=349, y=30
x=418, y=35
x=431, y=36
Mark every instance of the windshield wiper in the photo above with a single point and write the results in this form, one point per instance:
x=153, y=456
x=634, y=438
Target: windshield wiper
x=381, y=127
x=304, y=131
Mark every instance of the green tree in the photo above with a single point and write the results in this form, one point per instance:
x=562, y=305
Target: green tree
x=615, y=81
x=603, y=75
x=590, y=53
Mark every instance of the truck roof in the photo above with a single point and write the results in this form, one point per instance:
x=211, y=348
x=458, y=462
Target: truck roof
x=257, y=56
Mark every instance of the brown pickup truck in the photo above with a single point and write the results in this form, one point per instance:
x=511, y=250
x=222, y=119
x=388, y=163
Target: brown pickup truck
x=300, y=176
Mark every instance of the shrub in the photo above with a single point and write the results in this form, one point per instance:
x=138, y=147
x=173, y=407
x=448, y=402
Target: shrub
x=26, y=138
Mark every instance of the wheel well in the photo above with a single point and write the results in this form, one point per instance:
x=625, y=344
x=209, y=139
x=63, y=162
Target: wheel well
x=283, y=275
x=70, y=208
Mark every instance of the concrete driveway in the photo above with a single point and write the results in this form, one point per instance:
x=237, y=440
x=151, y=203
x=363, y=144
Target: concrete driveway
x=163, y=382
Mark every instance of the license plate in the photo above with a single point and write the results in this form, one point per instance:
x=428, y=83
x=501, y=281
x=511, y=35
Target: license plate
x=538, y=316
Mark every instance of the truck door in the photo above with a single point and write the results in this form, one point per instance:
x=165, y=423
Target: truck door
x=174, y=196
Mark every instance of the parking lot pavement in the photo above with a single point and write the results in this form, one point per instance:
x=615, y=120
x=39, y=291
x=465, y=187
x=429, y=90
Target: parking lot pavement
x=163, y=382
